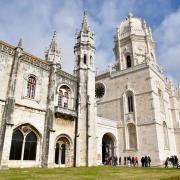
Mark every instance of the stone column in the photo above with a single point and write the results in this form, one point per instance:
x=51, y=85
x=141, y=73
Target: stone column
x=7, y=119
x=48, y=138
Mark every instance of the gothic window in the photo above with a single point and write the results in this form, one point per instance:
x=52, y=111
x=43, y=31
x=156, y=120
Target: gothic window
x=130, y=102
x=85, y=60
x=60, y=98
x=30, y=146
x=128, y=61
x=132, y=137
x=161, y=100
x=31, y=87
x=91, y=60
x=23, y=145
x=64, y=97
x=16, y=145
x=78, y=60
x=166, y=138
x=62, y=151
x=99, y=90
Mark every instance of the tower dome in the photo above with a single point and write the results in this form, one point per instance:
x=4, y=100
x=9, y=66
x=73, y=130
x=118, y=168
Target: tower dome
x=133, y=25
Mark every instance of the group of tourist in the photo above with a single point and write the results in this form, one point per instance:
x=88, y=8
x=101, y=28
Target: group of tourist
x=128, y=161
x=146, y=161
x=172, y=161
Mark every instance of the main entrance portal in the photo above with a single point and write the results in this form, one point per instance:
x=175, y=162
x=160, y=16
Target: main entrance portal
x=107, y=148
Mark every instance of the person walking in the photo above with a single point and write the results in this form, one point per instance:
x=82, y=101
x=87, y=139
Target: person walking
x=166, y=162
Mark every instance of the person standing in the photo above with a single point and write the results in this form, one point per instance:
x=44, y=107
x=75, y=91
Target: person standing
x=142, y=161
x=146, y=161
x=149, y=161
x=166, y=162
x=125, y=160
x=120, y=160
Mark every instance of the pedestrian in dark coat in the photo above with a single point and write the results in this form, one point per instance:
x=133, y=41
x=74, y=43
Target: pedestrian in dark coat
x=120, y=160
x=149, y=161
x=146, y=161
x=125, y=160
x=142, y=161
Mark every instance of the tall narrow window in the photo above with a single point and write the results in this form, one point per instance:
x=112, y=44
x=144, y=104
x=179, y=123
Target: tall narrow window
x=60, y=97
x=161, y=100
x=132, y=136
x=31, y=87
x=91, y=60
x=16, y=145
x=128, y=61
x=130, y=102
x=85, y=60
x=66, y=98
x=166, y=138
x=30, y=146
x=78, y=60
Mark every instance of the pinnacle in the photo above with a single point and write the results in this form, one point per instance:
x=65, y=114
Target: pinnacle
x=53, y=45
x=20, y=43
x=85, y=25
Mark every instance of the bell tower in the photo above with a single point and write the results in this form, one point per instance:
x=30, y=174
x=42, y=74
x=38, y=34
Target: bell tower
x=134, y=44
x=84, y=69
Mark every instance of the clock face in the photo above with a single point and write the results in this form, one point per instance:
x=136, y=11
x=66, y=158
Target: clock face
x=99, y=90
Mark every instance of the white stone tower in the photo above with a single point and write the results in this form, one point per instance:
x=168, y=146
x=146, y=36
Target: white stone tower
x=133, y=43
x=84, y=51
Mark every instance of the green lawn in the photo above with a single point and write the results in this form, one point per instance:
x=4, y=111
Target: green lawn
x=83, y=173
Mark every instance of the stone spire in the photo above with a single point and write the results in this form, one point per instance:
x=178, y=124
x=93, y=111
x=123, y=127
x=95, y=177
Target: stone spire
x=53, y=52
x=53, y=46
x=20, y=43
x=85, y=25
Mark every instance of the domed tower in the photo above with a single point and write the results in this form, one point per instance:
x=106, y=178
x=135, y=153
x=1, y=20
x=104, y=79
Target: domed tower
x=133, y=43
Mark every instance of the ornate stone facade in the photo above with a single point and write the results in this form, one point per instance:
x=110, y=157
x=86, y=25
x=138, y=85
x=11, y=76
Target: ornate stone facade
x=50, y=118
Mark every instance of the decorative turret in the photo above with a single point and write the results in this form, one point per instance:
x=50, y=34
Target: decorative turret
x=84, y=49
x=53, y=53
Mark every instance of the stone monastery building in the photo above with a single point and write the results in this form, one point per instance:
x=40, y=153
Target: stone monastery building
x=50, y=118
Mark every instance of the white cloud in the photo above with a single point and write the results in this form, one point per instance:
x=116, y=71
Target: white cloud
x=168, y=45
x=35, y=22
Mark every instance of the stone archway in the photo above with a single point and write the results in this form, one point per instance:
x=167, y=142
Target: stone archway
x=63, y=151
x=108, y=147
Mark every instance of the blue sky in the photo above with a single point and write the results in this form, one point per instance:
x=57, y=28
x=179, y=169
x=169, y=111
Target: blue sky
x=35, y=21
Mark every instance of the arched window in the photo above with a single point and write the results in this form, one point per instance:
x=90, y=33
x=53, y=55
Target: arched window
x=132, y=138
x=62, y=151
x=30, y=146
x=91, y=60
x=130, y=101
x=64, y=97
x=31, y=87
x=23, y=145
x=16, y=145
x=166, y=137
x=128, y=61
x=78, y=60
x=161, y=100
x=85, y=60
x=60, y=98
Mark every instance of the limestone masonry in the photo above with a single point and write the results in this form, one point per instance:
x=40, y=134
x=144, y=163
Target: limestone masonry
x=50, y=118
